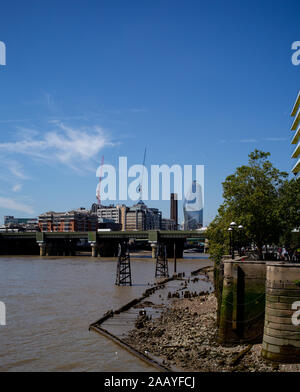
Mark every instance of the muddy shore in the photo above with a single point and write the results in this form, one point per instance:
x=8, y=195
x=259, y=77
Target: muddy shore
x=185, y=336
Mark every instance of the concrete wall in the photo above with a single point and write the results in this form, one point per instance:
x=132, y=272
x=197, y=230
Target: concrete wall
x=241, y=312
x=281, y=340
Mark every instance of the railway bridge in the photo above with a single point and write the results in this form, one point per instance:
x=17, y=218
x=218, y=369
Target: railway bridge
x=102, y=243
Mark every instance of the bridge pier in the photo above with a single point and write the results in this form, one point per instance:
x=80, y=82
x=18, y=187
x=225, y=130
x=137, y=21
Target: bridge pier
x=94, y=246
x=108, y=248
x=154, y=249
x=60, y=247
x=42, y=246
x=178, y=248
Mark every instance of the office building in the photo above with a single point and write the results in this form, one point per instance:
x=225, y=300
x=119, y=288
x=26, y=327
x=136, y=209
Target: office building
x=193, y=208
x=76, y=220
x=168, y=224
x=140, y=217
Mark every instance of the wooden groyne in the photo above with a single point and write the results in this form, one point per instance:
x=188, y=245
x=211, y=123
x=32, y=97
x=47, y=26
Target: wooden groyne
x=144, y=357
x=96, y=326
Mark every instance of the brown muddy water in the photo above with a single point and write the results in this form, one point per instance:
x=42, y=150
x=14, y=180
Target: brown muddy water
x=50, y=303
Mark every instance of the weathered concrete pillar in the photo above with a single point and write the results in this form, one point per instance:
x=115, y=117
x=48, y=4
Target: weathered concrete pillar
x=42, y=246
x=154, y=249
x=241, y=317
x=206, y=245
x=281, y=341
x=94, y=249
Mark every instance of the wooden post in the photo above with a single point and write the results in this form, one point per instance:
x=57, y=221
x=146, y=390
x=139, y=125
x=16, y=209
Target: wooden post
x=175, y=259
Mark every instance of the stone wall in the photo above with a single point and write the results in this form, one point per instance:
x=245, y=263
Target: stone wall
x=281, y=340
x=242, y=308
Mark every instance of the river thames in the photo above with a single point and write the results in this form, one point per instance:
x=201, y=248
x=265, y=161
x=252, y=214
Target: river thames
x=50, y=303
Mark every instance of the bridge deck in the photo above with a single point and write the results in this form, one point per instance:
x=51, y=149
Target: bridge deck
x=151, y=235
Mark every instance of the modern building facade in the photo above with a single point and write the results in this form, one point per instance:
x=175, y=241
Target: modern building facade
x=112, y=213
x=25, y=224
x=115, y=214
x=18, y=221
x=140, y=217
x=296, y=138
x=193, y=208
x=76, y=220
x=137, y=217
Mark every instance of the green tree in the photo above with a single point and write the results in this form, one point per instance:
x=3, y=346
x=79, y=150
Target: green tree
x=289, y=204
x=251, y=198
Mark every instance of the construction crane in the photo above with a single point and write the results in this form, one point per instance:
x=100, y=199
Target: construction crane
x=140, y=187
x=98, y=194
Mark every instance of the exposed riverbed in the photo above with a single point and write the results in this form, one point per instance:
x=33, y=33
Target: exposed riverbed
x=50, y=304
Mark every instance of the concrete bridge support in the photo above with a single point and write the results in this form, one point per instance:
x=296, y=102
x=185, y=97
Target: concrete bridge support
x=108, y=248
x=94, y=247
x=154, y=249
x=60, y=247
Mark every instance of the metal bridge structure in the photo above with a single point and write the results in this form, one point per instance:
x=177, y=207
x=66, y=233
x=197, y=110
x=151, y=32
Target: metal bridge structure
x=102, y=243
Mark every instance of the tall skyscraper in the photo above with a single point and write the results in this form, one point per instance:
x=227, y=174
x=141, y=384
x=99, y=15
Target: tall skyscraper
x=174, y=209
x=193, y=208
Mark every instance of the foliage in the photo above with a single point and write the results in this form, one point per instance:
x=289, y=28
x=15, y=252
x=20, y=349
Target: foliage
x=252, y=198
x=289, y=208
x=297, y=283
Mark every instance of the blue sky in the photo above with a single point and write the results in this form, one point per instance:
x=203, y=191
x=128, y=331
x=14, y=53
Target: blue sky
x=197, y=82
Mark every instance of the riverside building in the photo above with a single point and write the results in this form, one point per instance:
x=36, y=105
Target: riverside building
x=140, y=217
x=76, y=220
x=137, y=217
x=24, y=224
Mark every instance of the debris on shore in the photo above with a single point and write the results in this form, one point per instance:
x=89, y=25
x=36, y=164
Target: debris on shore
x=185, y=336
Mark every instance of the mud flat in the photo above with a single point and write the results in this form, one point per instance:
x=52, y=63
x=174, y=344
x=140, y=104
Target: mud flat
x=185, y=337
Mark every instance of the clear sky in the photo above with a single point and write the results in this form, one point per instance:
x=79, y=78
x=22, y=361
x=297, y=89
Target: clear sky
x=197, y=82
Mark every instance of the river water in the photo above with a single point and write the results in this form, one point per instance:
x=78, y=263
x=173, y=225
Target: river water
x=50, y=303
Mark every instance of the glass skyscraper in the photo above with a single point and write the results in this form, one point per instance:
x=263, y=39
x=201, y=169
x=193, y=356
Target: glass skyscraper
x=193, y=208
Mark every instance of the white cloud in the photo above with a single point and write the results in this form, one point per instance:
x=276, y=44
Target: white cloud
x=247, y=141
x=16, y=169
x=69, y=146
x=17, y=187
x=11, y=204
x=276, y=139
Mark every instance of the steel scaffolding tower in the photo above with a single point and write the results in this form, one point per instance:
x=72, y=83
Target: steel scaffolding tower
x=123, y=267
x=162, y=269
